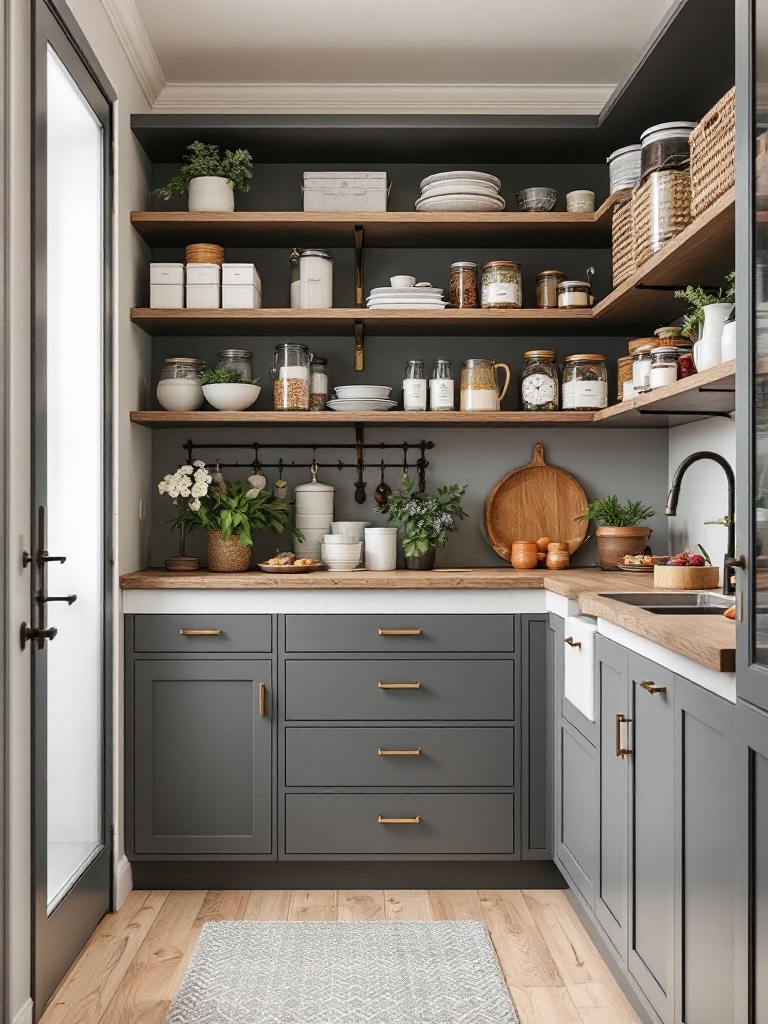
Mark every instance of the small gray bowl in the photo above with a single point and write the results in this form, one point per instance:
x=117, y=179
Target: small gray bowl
x=536, y=200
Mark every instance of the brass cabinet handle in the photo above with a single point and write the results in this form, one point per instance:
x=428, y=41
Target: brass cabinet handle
x=199, y=632
x=399, y=686
x=400, y=821
x=262, y=700
x=621, y=751
x=399, y=632
x=652, y=687
x=572, y=643
x=383, y=752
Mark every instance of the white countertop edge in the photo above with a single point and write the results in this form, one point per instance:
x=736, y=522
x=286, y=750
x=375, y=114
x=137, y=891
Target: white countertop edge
x=721, y=683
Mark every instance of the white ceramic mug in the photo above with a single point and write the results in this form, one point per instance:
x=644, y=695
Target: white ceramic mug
x=580, y=201
x=402, y=281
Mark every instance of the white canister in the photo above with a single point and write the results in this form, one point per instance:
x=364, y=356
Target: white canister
x=311, y=279
x=212, y=194
x=381, y=548
x=580, y=201
x=624, y=167
x=314, y=498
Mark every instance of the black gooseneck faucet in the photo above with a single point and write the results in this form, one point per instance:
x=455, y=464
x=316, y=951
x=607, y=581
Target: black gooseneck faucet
x=729, y=521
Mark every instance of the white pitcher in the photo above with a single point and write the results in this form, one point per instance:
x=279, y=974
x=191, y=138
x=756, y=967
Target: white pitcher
x=707, y=350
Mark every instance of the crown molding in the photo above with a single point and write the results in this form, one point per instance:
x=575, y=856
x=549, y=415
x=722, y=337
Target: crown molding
x=377, y=98
x=132, y=36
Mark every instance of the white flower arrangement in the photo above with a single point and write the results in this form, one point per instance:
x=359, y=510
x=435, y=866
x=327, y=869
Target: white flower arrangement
x=188, y=482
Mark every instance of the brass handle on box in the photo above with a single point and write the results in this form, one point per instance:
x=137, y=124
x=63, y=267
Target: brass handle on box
x=399, y=686
x=383, y=752
x=399, y=632
x=199, y=632
x=621, y=751
x=262, y=700
x=573, y=643
x=652, y=687
x=400, y=821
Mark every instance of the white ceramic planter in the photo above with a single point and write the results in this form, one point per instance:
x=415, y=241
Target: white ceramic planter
x=707, y=352
x=211, y=194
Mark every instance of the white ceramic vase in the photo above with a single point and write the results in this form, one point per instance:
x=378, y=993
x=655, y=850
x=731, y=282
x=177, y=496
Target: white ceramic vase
x=211, y=194
x=707, y=352
x=728, y=342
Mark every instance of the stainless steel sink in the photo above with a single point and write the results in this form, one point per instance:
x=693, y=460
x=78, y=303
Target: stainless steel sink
x=683, y=602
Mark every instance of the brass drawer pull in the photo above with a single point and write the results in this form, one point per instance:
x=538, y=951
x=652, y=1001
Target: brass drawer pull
x=399, y=632
x=573, y=643
x=621, y=751
x=399, y=686
x=262, y=700
x=400, y=821
x=652, y=687
x=383, y=752
x=199, y=632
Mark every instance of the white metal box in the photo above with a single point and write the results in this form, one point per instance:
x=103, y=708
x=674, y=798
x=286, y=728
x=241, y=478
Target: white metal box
x=166, y=286
x=240, y=286
x=345, y=191
x=203, y=286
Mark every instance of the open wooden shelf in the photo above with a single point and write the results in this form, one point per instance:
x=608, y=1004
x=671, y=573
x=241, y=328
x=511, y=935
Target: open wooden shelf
x=247, y=229
x=710, y=393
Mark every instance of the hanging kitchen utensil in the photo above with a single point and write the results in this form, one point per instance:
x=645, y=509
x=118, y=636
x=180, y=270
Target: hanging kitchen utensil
x=360, y=459
x=281, y=485
x=406, y=467
x=535, y=501
x=257, y=482
x=218, y=478
x=383, y=491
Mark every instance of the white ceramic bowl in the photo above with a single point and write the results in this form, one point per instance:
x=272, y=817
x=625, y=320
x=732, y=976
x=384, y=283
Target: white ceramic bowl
x=345, y=566
x=402, y=281
x=309, y=521
x=231, y=397
x=180, y=395
x=362, y=391
x=344, y=545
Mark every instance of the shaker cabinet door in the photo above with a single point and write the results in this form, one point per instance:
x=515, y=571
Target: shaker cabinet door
x=202, y=757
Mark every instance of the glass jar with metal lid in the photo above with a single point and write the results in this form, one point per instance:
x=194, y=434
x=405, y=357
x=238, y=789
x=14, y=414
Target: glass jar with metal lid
x=290, y=376
x=539, y=383
x=318, y=384
x=238, y=360
x=574, y=295
x=664, y=366
x=502, y=286
x=179, y=388
x=463, y=287
x=585, y=382
x=182, y=368
x=546, y=288
x=641, y=367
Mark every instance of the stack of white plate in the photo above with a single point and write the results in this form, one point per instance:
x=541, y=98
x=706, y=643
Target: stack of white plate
x=421, y=296
x=362, y=398
x=460, y=192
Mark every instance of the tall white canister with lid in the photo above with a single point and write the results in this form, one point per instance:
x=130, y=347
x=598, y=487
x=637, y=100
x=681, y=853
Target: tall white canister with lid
x=311, y=279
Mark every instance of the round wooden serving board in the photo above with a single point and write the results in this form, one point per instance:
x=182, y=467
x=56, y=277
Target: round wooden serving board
x=535, y=501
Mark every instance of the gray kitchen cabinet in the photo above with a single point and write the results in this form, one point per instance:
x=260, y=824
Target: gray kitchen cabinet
x=201, y=759
x=752, y=864
x=537, y=738
x=398, y=634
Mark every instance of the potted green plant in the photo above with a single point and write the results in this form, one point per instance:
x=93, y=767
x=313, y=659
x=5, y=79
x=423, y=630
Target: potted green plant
x=426, y=519
x=229, y=390
x=619, y=532
x=209, y=179
x=230, y=518
x=708, y=309
x=186, y=487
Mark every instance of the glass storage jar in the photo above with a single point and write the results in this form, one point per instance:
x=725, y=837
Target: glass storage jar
x=238, y=360
x=585, y=382
x=574, y=295
x=463, y=287
x=311, y=279
x=539, y=384
x=441, y=386
x=182, y=368
x=685, y=364
x=641, y=368
x=664, y=366
x=179, y=388
x=290, y=376
x=502, y=285
x=546, y=288
x=480, y=386
x=414, y=387
x=318, y=384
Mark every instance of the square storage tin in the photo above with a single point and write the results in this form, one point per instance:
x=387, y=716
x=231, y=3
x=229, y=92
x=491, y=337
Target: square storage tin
x=240, y=286
x=345, y=191
x=166, y=286
x=203, y=286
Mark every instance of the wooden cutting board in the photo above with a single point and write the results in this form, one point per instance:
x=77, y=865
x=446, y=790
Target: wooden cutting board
x=535, y=501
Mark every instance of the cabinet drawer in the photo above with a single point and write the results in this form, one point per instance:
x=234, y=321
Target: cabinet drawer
x=426, y=756
x=396, y=634
x=202, y=634
x=450, y=823
x=419, y=689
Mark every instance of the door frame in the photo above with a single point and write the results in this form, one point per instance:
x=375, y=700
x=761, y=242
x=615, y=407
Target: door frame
x=52, y=21
x=4, y=456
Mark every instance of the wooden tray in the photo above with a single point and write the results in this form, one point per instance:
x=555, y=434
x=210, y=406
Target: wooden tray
x=535, y=501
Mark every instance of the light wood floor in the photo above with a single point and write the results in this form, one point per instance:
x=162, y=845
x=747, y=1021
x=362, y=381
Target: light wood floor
x=133, y=963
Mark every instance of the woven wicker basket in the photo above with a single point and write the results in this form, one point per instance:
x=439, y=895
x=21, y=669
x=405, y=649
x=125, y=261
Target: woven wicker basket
x=623, y=374
x=227, y=555
x=621, y=242
x=713, y=154
x=661, y=209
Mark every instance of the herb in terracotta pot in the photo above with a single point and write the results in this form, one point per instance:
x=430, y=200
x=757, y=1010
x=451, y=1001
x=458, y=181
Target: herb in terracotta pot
x=426, y=520
x=210, y=179
x=619, y=531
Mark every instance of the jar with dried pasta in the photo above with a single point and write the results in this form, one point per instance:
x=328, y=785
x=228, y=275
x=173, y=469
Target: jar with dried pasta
x=290, y=376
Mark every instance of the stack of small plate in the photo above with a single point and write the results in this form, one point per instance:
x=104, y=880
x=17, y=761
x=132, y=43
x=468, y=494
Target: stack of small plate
x=362, y=398
x=460, y=192
x=421, y=296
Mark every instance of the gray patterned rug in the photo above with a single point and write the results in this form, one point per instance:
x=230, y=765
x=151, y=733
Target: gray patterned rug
x=345, y=972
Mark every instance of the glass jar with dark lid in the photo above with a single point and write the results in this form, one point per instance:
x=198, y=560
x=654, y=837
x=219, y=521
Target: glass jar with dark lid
x=546, y=288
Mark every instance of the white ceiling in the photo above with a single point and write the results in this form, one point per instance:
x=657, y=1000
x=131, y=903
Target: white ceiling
x=450, y=44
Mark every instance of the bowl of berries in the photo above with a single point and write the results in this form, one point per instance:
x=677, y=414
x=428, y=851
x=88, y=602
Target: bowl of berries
x=686, y=571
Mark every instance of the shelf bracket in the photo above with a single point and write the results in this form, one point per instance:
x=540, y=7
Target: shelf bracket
x=359, y=281
x=359, y=345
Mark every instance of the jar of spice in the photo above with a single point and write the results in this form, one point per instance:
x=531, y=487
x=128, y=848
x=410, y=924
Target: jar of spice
x=574, y=295
x=641, y=368
x=539, y=383
x=237, y=360
x=441, y=386
x=663, y=367
x=290, y=376
x=585, y=382
x=557, y=558
x=546, y=288
x=414, y=387
x=463, y=288
x=502, y=285
x=318, y=384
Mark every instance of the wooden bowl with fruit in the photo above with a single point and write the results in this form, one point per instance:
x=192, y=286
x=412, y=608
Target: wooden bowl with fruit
x=686, y=571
